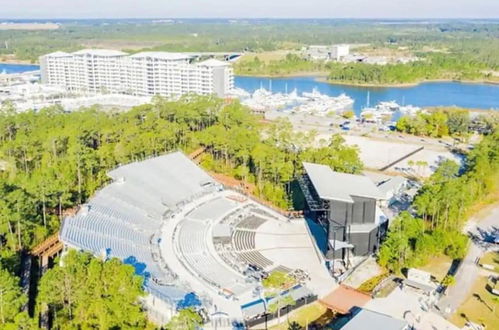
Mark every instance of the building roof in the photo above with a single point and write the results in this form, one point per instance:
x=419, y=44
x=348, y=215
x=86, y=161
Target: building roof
x=366, y=319
x=338, y=186
x=430, y=287
x=344, y=298
x=392, y=184
x=123, y=217
x=172, y=170
x=213, y=63
x=100, y=52
x=162, y=55
x=58, y=54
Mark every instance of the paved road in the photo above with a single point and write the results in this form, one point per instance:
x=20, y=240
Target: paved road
x=469, y=270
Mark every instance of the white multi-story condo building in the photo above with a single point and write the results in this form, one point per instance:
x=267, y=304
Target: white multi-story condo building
x=141, y=74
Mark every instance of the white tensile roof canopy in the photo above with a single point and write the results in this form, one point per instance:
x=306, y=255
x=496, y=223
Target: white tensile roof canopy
x=331, y=185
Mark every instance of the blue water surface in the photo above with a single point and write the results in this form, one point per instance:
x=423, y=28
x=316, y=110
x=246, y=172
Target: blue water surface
x=17, y=68
x=466, y=95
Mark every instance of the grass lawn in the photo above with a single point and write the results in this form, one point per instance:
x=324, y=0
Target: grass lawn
x=369, y=285
x=303, y=315
x=491, y=258
x=480, y=307
x=438, y=267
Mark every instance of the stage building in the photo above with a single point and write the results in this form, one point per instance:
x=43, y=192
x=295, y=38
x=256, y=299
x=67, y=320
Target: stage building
x=346, y=206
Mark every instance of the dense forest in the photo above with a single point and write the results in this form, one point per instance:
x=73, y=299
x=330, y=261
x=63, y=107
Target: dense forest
x=439, y=122
x=430, y=67
x=442, y=206
x=291, y=64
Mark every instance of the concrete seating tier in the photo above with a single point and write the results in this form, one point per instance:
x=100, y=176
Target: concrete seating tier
x=282, y=269
x=243, y=240
x=255, y=258
x=251, y=222
x=264, y=213
x=195, y=252
x=213, y=209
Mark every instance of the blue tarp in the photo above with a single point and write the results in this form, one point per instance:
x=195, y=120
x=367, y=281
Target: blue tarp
x=190, y=300
x=140, y=267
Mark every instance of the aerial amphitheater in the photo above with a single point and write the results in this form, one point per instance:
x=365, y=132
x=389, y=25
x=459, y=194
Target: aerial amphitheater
x=196, y=242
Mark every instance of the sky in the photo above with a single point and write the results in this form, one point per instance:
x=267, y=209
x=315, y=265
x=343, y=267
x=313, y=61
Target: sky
x=249, y=8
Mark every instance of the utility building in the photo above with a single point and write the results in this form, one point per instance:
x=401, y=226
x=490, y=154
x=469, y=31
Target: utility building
x=346, y=206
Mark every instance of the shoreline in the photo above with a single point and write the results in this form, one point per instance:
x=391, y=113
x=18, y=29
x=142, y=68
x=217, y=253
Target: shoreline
x=18, y=62
x=322, y=77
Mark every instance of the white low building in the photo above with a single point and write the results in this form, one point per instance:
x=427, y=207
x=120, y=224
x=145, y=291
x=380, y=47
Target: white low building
x=339, y=51
x=327, y=52
x=141, y=74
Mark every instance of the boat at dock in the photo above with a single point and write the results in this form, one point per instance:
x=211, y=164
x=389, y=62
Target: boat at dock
x=309, y=102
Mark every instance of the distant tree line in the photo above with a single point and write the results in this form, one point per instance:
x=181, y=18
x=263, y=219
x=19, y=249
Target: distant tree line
x=430, y=67
x=291, y=64
x=475, y=41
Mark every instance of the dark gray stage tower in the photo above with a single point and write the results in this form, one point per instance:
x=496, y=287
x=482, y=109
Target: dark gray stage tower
x=346, y=206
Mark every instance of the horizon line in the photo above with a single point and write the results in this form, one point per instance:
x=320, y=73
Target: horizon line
x=252, y=18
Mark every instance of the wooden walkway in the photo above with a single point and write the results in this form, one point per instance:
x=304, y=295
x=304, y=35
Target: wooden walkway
x=384, y=168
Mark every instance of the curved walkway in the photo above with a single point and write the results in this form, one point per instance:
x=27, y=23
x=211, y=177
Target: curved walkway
x=469, y=270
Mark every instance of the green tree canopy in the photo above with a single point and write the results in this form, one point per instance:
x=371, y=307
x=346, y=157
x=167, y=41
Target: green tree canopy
x=11, y=299
x=85, y=292
x=187, y=319
x=442, y=205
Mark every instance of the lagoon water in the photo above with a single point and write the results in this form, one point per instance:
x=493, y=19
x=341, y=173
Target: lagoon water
x=475, y=96
x=17, y=68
